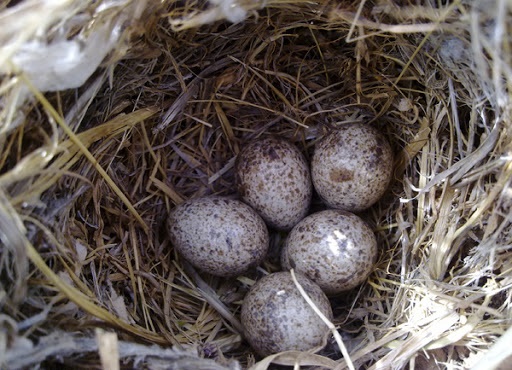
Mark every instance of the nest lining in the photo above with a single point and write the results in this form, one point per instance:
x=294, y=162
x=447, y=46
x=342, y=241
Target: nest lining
x=88, y=176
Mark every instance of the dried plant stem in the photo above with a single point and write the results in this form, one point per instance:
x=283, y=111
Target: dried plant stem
x=58, y=118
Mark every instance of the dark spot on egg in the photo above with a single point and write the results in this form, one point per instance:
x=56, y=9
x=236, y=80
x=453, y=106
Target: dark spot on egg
x=341, y=175
x=272, y=154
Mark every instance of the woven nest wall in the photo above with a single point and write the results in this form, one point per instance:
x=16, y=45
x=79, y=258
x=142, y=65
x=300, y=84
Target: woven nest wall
x=112, y=113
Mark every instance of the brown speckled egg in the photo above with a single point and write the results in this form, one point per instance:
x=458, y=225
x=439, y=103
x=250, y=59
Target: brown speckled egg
x=273, y=177
x=224, y=237
x=334, y=248
x=276, y=317
x=351, y=167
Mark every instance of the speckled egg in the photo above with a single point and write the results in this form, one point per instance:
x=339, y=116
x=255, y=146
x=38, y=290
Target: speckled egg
x=273, y=177
x=352, y=167
x=334, y=248
x=276, y=317
x=224, y=237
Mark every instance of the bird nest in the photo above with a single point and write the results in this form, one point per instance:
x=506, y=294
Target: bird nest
x=112, y=113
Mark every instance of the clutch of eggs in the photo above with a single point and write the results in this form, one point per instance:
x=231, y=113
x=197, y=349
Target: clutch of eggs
x=331, y=251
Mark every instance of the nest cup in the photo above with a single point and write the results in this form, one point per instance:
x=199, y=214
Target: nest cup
x=111, y=114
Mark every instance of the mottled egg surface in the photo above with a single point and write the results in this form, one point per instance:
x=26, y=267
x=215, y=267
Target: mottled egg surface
x=352, y=166
x=277, y=318
x=273, y=177
x=334, y=248
x=224, y=237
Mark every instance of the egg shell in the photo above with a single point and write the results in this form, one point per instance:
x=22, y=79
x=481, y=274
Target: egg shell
x=273, y=177
x=334, y=248
x=276, y=317
x=224, y=237
x=351, y=167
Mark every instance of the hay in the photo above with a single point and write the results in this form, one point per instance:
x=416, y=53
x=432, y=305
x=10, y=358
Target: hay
x=142, y=105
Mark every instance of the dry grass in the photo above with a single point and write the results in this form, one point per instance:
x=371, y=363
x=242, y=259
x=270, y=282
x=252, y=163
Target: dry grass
x=89, y=172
